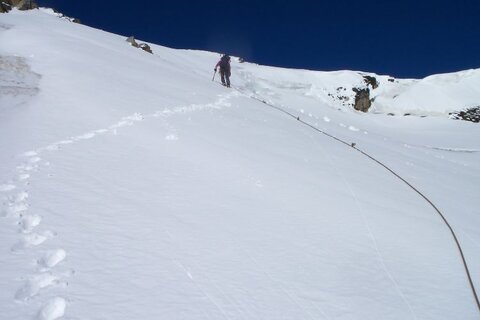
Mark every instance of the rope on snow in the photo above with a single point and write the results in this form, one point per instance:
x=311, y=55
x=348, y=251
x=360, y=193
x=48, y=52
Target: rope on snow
x=353, y=145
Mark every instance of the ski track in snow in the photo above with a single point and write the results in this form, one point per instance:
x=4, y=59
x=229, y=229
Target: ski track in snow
x=284, y=290
x=16, y=208
x=184, y=268
x=372, y=238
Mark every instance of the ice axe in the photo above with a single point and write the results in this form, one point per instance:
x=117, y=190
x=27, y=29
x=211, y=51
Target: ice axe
x=214, y=72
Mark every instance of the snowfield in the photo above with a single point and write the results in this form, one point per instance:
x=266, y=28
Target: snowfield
x=134, y=187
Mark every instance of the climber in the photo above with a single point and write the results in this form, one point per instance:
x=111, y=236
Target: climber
x=224, y=65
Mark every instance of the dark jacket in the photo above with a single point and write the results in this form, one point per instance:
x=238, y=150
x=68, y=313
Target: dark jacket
x=224, y=64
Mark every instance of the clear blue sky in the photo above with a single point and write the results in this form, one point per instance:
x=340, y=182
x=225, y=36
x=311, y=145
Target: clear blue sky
x=402, y=38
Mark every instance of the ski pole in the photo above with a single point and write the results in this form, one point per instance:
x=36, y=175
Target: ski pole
x=215, y=71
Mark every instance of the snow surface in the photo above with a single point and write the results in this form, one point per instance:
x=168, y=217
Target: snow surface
x=134, y=187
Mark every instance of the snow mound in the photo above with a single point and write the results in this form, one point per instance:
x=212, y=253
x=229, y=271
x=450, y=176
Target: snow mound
x=434, y=95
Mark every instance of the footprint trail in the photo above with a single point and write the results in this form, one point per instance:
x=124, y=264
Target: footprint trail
x=16, y=206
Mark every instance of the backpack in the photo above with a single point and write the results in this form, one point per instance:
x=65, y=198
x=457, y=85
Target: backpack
x=224, y=62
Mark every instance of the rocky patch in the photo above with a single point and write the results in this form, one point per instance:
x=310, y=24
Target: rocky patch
x=371, y=81
x=7, y=5
x=146, y=47
x=18, y=83
x=469, y=114
x=362, y=99
x=143, y=46
x=362, y=94
x=341, y=96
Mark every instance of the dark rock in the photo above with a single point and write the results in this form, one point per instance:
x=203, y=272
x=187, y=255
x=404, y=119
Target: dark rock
x=340, y=96
x=5, y=6
x=22, y=4
x=146, y=47
x=362, y=99
x=372, y=81
x=143, y=46
x=469, y=114
x=132, y=41
x=391, y=80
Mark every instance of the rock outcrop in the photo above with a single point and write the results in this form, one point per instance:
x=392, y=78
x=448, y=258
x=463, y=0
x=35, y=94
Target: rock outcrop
x=143, y=46
x=371, y=81
x=4, y=7
x=132, y=41
x=362, y=94
x=146, y=47
x=469, y=114
x=362, y=99
x=7, y=5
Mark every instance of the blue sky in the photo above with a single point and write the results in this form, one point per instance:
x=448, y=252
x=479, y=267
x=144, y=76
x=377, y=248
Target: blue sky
x=402, y=38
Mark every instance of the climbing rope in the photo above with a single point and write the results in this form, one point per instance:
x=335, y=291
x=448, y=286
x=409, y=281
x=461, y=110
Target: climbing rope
x=353, y=145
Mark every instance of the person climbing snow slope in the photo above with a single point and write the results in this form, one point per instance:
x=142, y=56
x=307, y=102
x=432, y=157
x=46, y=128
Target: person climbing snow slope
x=224, y=65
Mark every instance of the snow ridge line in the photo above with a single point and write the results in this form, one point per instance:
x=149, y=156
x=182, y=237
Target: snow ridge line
x=15, y=207
x=199, y=287
x=353, y=146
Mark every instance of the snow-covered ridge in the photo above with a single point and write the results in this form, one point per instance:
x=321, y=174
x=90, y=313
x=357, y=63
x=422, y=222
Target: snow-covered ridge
x=134, y=187
x=439, y=94
x=434, y=95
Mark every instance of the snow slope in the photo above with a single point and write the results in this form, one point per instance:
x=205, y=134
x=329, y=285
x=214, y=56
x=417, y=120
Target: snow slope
x=133, y=187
